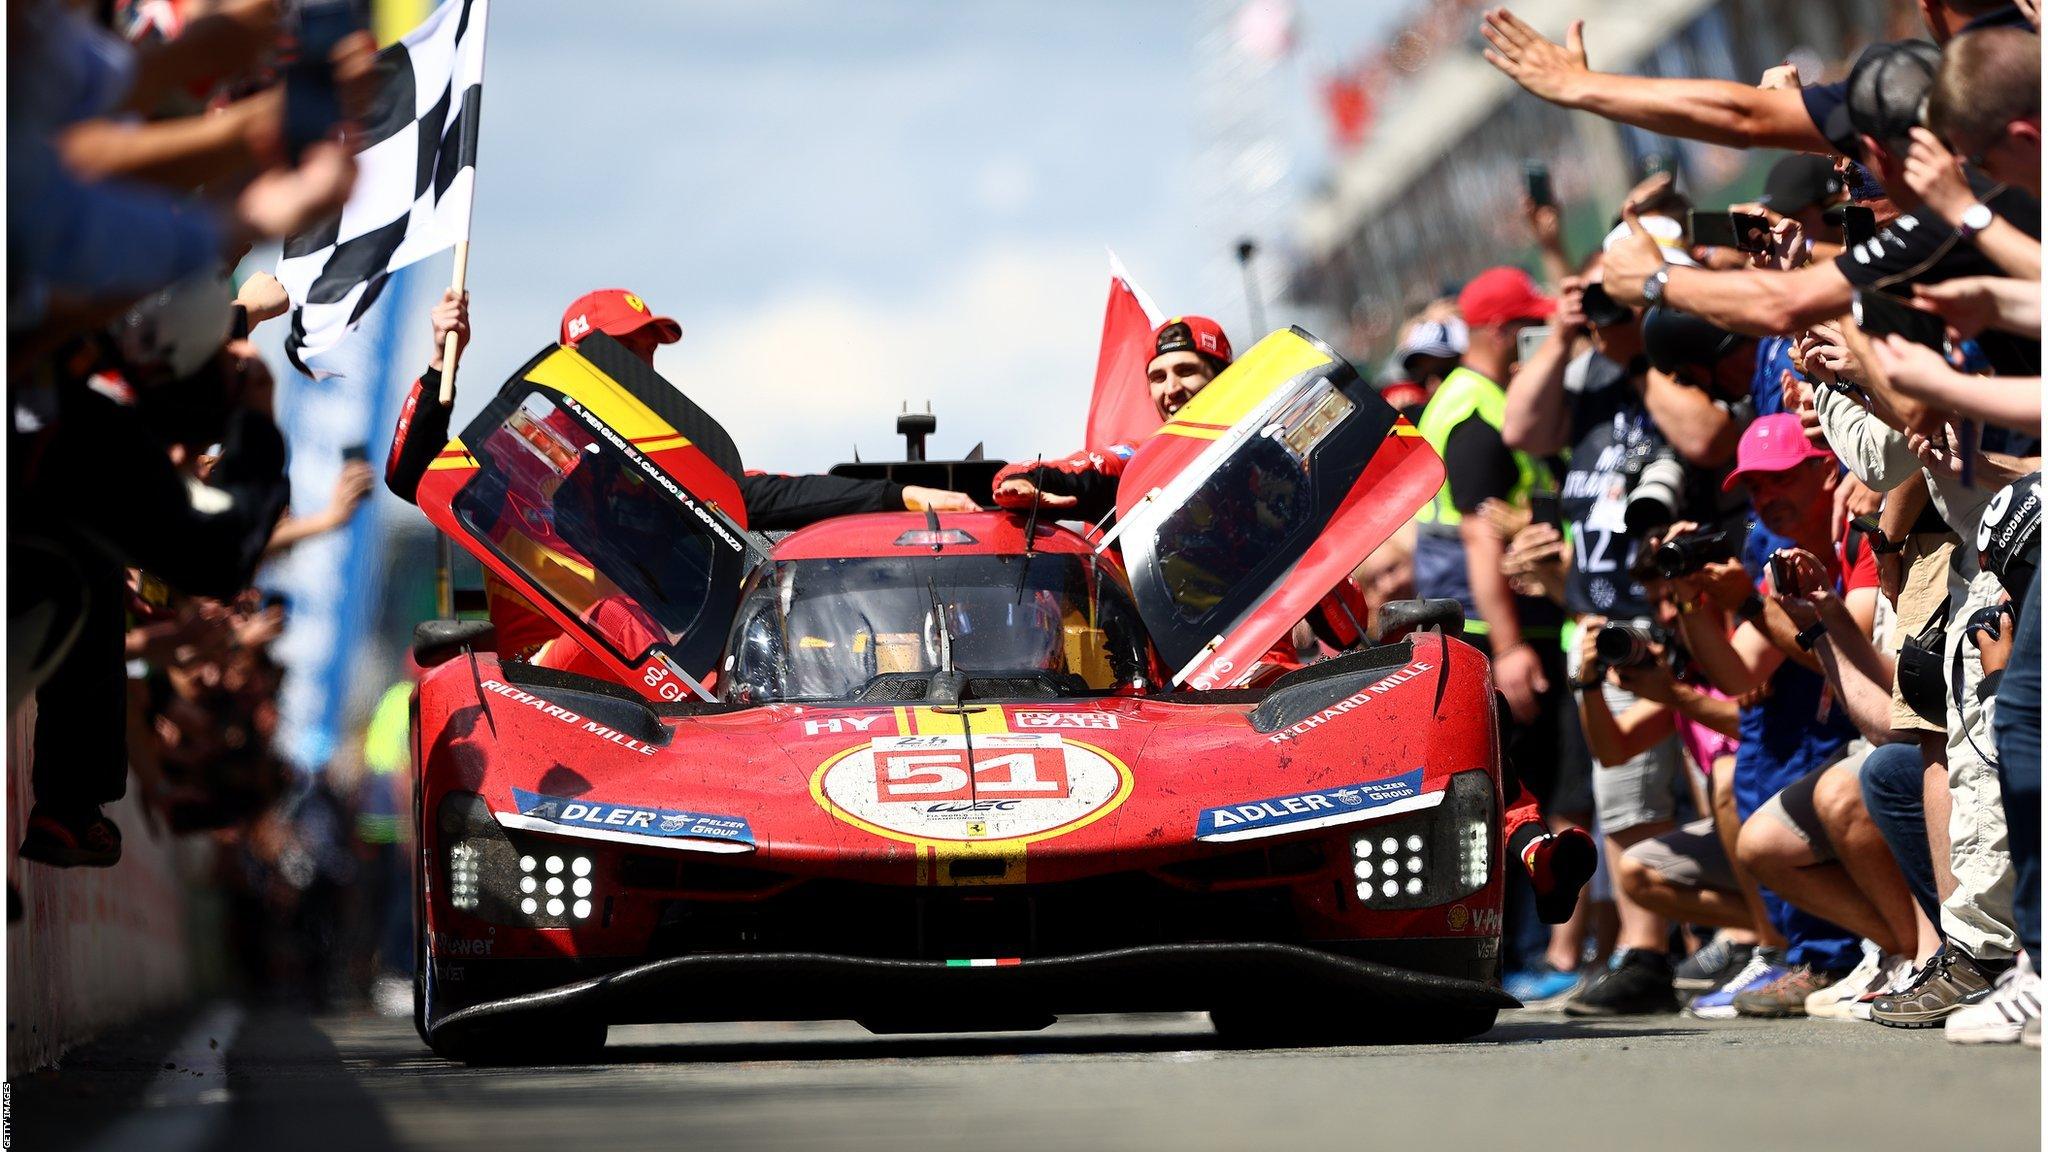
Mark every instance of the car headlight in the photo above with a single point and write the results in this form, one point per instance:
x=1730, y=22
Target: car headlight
x=555, y=886
x=529, y=882
x=1431, y=857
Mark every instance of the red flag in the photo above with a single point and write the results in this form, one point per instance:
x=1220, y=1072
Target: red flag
x=1121, y=409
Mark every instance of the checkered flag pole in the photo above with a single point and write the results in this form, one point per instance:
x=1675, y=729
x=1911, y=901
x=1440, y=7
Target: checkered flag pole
x=415, y=184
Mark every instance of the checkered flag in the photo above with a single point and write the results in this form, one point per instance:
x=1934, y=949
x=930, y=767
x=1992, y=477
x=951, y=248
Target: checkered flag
x=415, y=176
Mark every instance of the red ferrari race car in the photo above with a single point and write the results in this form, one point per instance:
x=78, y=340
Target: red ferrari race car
x=943, y=773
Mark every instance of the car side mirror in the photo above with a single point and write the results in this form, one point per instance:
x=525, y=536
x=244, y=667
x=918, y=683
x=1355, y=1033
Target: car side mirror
x=439, y=641
x=1397, y=618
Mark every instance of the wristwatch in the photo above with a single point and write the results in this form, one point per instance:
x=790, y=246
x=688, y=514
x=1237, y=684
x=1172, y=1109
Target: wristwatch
x=1751, y=608
x=1653, y=288
x=1976, y=218
x=1810, y=635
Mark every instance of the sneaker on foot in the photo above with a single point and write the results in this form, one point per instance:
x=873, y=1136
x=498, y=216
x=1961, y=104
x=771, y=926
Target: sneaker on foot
x=1637, y=983
x=1897, y=978
x=2001, y=1017
x=1785, y=996
x=1765, y=966
x=1950, y=980
x=1712, y=965
x=1542, y=988
x=1836, y=1001
x=84, y=839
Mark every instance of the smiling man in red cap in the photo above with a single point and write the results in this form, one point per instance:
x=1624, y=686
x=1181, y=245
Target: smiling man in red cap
x=1187, y=353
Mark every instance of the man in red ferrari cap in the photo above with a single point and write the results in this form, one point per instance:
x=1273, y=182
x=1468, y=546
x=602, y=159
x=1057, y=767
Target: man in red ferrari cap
x=773, y=502
x=1187, y=353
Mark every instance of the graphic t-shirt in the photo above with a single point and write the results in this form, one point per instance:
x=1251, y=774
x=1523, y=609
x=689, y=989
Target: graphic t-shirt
x=1610, y=430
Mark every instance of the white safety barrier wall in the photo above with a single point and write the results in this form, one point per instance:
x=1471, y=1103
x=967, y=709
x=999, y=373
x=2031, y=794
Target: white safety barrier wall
x=94, y=947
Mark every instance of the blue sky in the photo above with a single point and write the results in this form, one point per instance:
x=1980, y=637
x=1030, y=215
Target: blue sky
x=849, y=206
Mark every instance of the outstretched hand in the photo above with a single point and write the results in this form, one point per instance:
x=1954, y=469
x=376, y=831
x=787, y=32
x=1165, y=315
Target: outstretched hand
x=919, y=499
x=1543, y=66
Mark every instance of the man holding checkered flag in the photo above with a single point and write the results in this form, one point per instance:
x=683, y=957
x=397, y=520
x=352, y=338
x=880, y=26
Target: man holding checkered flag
x=416, y=175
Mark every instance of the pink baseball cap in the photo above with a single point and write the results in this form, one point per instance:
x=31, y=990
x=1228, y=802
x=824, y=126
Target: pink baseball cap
x=1773, y=443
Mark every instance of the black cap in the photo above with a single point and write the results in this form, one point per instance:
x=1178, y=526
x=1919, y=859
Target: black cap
x=1673, y=339
x=1799, y=182
x=1887, y=88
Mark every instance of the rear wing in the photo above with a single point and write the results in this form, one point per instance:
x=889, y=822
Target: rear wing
x=609, y=502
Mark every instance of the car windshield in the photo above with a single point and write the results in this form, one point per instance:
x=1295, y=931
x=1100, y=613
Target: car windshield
x=822, y=629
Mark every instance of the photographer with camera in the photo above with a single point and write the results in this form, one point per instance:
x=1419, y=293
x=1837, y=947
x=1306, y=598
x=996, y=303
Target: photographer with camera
x=1689, y=874
x=1825, y=852
x=1790, y=725
x=1623, y=479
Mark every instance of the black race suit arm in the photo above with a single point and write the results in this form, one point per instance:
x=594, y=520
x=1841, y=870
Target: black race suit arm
x=421, y=433
x=783, y=503
x=1089, y=476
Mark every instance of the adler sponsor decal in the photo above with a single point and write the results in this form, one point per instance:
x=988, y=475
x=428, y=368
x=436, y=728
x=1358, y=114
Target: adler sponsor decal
x=1377, y=688
x=665, y=823
x=1323, y=808
x=574, y=720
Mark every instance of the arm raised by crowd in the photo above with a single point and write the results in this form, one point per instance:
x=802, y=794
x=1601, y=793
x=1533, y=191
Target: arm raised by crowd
x=1536, y=420
x=1701, y=431
x=179, y=153
x=1974, y=304
x=1716, y=111
x=1936, y=176
x=1922, y=374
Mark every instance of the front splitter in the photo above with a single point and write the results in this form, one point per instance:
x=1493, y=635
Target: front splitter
x=817, y=986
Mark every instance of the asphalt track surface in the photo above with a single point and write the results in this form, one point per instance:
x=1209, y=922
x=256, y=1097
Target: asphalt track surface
x=284, y=1080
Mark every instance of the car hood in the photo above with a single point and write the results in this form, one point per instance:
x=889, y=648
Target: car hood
x=1056, y=789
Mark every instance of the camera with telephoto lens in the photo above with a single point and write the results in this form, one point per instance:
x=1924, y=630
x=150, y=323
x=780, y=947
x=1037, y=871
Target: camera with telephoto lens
x=1685, y=555
x=1656, y=486
x=1628, y=645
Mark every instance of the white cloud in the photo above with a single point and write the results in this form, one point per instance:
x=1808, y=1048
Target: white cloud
x=1003, y=346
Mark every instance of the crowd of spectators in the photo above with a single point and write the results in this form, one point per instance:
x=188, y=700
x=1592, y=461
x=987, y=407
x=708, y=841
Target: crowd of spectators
x=1746, y=508
x=149, y=146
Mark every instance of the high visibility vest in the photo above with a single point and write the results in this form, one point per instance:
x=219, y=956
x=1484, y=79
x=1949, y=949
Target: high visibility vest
x=1463, y=393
